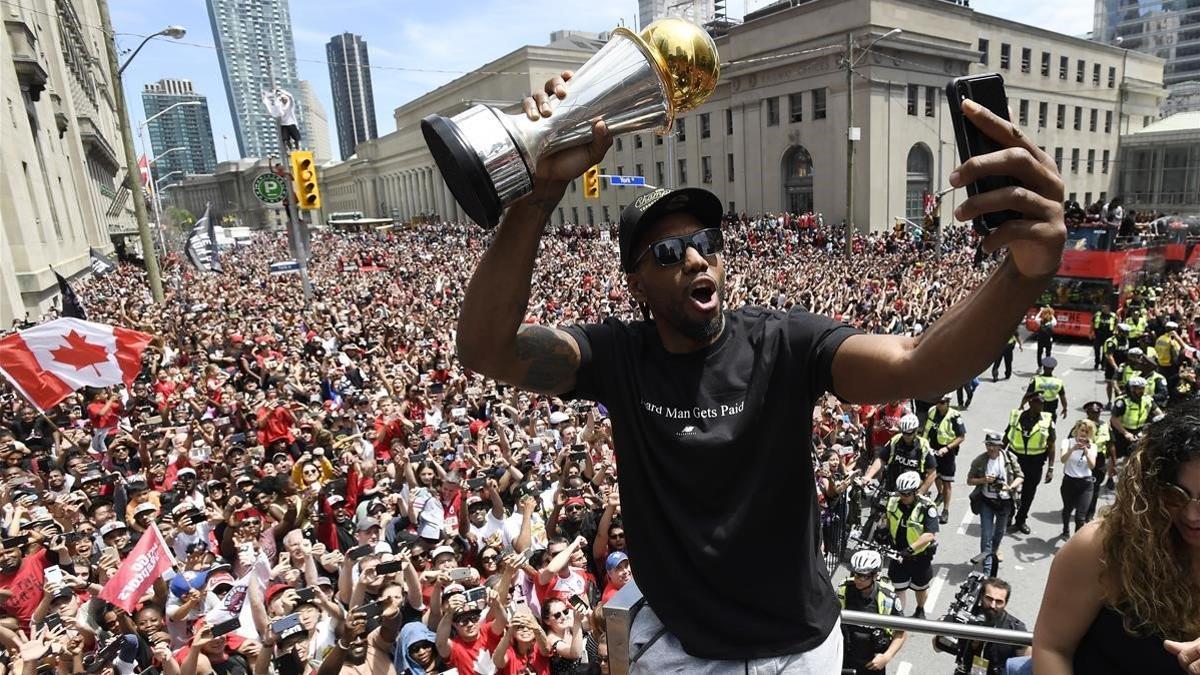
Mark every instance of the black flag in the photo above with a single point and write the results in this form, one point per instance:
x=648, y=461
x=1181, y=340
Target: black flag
x=71, y=305
x=101, y=264
x=201, y=247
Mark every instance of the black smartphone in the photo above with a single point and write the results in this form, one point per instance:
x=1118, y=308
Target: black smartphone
x=390, y=567
x=476, y=596
x=418, y=457
x=359, y=552
x=476, y=484
x=578, y=603
x=52, y=622
x=226, y=627
x=306, y=594
x=986, y=89
x=18, y=541
x=287, y=626
x=372, y=610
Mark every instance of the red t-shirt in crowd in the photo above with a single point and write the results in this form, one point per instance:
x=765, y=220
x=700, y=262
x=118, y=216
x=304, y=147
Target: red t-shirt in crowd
x=279, y=424
x=463, y=654
x=107, y=420
x=534, y=662
x=25, y=586
x=564, y=588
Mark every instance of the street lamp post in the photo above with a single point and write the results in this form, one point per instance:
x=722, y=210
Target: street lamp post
x=150, y=165
x=131, y=167
x=850, y=62
x=167, y=152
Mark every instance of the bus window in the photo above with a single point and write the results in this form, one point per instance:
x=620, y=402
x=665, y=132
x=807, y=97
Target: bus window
x=1077, y=294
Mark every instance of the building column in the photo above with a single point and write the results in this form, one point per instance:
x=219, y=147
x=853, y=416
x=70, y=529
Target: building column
x=426, y=202
x=408, y=193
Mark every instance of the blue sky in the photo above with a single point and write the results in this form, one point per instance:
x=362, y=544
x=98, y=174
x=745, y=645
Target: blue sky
x=410, y=42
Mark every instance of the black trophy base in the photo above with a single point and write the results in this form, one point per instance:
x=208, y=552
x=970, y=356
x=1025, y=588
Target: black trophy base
x=462, y=170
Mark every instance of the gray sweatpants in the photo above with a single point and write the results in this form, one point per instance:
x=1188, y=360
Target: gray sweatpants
x=666, y=655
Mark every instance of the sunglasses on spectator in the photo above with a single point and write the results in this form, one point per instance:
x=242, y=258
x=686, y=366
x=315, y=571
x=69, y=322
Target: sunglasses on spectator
x=575, y=507
x=472, y=617
x=561, y=614
x=672, y=250
x=1175, y=498
x=490, y=558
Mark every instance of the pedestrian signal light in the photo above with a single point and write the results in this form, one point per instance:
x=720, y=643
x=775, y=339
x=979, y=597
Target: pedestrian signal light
x=591, y=183
x=304, y=173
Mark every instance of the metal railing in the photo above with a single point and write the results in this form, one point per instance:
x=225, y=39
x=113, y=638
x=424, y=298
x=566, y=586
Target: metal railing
x=619, y=614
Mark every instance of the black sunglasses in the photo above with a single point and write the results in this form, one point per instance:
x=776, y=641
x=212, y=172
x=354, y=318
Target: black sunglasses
x=671, y=251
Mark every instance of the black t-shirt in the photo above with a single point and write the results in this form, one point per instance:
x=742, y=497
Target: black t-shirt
x=716, y=475
x=998, y=654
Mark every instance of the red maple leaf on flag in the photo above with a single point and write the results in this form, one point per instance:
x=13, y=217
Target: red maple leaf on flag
x=80, y=353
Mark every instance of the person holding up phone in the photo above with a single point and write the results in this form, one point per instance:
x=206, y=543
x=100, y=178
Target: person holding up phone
x=736, y=379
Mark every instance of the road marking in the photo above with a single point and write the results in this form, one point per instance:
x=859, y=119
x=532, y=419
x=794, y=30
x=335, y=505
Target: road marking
x=966, y=520
x=935, y=588
x=904, y=669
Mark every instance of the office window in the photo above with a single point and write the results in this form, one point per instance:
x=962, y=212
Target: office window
x=914, y=92
x=1104, y=163
x=772, y=111
x=706, y=169
x=591, y=219
x=575, y=215
x=603, y=181
x=607, y=215
x=983, y=51
x=562, y=218
x=1108, y=121
x=637, y=170
x=1023, y=112
x=819, y=103
x=620, y=170
x=1079, y=66
x=1026, y=59
x=1004, y=54
x=1058, y=159
x=1112, y=76
x=659, y=177
x=1045, y=64
x=1087, y=198
x=657, y=139
x=729, y=121
x=637, y=140
x=681, y=179
x=1092, y=119
x=1062, y=67
x=930, y=100
x=573, y=186
x=1043, y=112
x=1091, y=161
x=620, y=145
x=1071, y=196
x=1096, y=74
x=1061, y=122
x=681, y=128
x=1074, y=160
x=1078, y=118
x=729, y=166
x=795, y=108
x=705, y=125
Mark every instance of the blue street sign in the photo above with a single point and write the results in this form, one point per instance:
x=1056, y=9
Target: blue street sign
x=637, y=181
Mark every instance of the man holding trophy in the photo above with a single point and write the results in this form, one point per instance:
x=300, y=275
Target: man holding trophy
x=707, y=403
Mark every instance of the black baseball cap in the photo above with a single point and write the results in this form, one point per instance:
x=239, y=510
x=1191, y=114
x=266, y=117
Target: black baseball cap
x=652, y=206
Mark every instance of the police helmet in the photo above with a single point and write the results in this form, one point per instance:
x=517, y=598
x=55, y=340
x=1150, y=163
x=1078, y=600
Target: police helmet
x=1137, y=382
x=1123, y=327
x=866, y=561
x=908, y=481
x=909, y=424
x=1135, y=352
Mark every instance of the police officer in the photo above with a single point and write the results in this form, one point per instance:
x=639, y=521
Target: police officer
x=1156, y=383
x=1049, y=388
x=1030, y=433
x=945, y=431
x=1137, y=324
x=1106, y=465
x=1014, y=342
x=913, y=526
x=869, y=650
x=1130, y=413
x=990, y=658
x=1167, y=349
x=1134, y=356
x=1116, y=349
x=1104, y=324
x=906, y=451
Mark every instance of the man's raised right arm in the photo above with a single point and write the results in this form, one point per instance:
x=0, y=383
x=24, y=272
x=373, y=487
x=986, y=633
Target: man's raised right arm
x=492, y=336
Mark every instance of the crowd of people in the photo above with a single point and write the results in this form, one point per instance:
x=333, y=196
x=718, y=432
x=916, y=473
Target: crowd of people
x=382, y=509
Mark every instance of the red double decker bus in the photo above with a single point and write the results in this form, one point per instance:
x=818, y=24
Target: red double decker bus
x=1098, y=269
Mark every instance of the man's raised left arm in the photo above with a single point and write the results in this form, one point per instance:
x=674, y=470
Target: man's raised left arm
x=967, y=338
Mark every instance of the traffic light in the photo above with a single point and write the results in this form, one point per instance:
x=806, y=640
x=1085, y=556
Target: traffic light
x=591, y=183
x=304, y=172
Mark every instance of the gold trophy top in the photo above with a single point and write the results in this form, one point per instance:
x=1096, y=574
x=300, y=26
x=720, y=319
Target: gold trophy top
x=685, y=56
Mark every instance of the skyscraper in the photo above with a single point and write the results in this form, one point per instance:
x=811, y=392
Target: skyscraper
x=187, y=127
x=1163, y=28
x=316, y=128
x=353, y=100
x=256, y=53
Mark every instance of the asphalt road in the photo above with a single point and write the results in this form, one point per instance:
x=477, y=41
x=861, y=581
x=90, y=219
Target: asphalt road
x=1027, y=558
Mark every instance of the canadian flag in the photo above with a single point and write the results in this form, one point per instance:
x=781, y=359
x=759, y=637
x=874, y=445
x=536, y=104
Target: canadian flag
x=49, y=361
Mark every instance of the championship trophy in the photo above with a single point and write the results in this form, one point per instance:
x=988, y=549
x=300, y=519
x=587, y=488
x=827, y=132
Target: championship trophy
x=635, y=82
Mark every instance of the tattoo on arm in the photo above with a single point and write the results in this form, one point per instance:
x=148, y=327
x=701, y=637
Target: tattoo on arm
x=551, y=357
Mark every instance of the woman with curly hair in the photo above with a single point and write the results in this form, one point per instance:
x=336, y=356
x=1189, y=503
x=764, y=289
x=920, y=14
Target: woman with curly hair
x=1127, y=586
